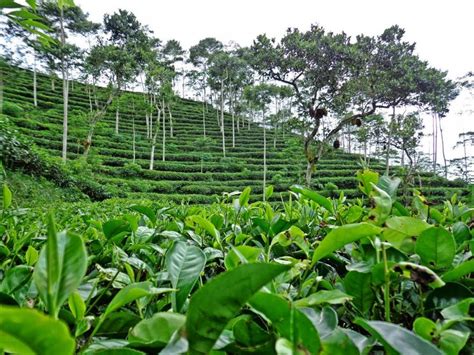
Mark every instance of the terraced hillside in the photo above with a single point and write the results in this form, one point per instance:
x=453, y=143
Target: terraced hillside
x=190, y=171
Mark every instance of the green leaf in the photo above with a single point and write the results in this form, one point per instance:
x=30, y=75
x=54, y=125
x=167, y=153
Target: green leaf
x=314, y=196
x=383, y=205
x=115, y=228
x=459, y=311
x=219, y=300
x=7, y=197
x=399, y=228
x=184, y=263
x=341, y=236
x=338, y=343
x=31, y=256
x=389, y=185
x=27, y=331
x=459, y=271
x=321, y=297
x=235, y=255
x=294, y=235
x=359, y=286
x=146, y=211
x=77, y=305
x=436, y=248
x=245, y=196
x=156, y=331
x=397, y=339
x=207, y=226
x=452, y=341
x=425, y=328
x=290, y=322
x=461, y=232
x=249, y=335
x=366, y=178
x=324, y=319
x=268, y=191
x=60, y=268
x=131, y=293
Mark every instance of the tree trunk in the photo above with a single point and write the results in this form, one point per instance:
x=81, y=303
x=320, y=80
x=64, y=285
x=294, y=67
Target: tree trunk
x=117, y=117
x=133, y=141
x=53, y=86
x=204, y=113
x=35, y=99
x=264, y=156
x=65, y=89
x=1, y=91
x=389, y=142
x=90, y=98
x=153, y=143
x=435, y=144
x=164, y=134
x=171, y=120
x=442, y=148
x=222, y=117
x=88, y=143
x=233, y=123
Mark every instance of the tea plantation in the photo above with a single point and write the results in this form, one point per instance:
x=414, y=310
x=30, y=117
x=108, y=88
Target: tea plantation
x=193, y=171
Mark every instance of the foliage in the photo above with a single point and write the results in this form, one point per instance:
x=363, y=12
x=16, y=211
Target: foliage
x=312, y=273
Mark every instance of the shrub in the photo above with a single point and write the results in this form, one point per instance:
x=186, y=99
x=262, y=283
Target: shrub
x=11, y=109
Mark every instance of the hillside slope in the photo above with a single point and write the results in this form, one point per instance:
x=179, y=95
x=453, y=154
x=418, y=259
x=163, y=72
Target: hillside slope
x=190, y=171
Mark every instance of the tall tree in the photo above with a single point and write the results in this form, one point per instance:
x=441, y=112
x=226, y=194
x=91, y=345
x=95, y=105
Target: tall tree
x=350, y=79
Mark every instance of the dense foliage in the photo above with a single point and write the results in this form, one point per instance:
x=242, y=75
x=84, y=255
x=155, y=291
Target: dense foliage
x=313, y=275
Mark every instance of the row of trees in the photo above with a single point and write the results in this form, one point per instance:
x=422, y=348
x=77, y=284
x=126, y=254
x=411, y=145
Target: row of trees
x=321, y=85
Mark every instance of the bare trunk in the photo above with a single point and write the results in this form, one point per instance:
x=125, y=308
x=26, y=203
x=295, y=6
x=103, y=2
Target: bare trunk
x=442, y=148
x=435, y=144
x=222, y=117
x=387, y=153
x=90, y=98
x=133, y=141
x=233, y=124
x=171, y=120
x=147, y=119
x=117, y=118
x=65, y=90
x=264, y=156
x=53, y=86
x=1, y=91
x=35, y=99
x=204, y=113
x=164, y=134
x=153, y=143
x=88, y=142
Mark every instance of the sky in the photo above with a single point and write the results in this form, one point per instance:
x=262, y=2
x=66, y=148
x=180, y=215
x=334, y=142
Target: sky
x=443, y=30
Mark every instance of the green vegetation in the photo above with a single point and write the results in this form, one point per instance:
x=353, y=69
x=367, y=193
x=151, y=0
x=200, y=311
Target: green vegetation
x=287, y=209
x=312, y=275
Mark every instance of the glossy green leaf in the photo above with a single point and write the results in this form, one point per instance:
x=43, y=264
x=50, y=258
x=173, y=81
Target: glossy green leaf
x=461, y=232
x=146, y=211
x=7, y=197
x=157, y=330
x=131, y=293
x=207, y=226
x=314, y=196
x=31, y=256
x=116, y=228
x=324, y=319
x=436, y=248
x=465, y=268
x=389, y=185
x=77, y=305
x=453, y=341
x=338, y=343
x=399, y=228
x=448, y=295
x=245, y=196
x=236, y=254
x=341, y=236
x=425, y=328
x=251, y=337
x=383, y=205
x=27, y=331
x=60, y=268
x=359, y=286
x=322, y=297
x=219, y=300
x=459, y=311
x=184, y=263
x=397, y=339
x=366, y=178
